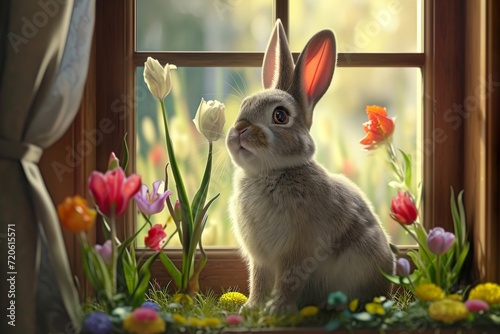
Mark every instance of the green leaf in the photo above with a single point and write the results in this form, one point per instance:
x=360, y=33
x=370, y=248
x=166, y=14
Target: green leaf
x=404, y=281
x=171, y=268
x=144, y=277
x=201, y=194
x=407, y=159
x=130, y=274
x=199, y=227
x=126, y=153
x=127, y=242
x=457, y=268
x=194, y=284
x=96, y=268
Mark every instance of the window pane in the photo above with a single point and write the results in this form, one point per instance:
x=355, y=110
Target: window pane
x=337, y=129
x=193, y=25
x=361, y=25
x=226, y=85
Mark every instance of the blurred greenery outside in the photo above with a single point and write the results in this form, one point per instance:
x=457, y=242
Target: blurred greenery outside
x=236, y=25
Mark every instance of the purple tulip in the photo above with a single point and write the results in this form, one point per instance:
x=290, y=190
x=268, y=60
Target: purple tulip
x=104, y=251
x=439, y=241
x=403, y=267
x=151, y=203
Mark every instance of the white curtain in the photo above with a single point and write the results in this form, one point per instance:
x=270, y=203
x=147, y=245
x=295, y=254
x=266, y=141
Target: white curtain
x=44, y=55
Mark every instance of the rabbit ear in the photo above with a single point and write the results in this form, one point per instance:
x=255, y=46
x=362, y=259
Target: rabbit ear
x=277, y=68
x=315, y=66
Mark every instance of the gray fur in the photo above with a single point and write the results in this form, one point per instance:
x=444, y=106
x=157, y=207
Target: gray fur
x=304, y=232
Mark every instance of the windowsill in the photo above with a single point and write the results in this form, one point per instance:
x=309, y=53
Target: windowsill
x=363, y=331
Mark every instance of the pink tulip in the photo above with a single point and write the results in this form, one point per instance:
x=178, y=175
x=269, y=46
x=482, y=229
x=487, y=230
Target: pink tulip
x=112, y=190
x=234, y=319
x=476, y=305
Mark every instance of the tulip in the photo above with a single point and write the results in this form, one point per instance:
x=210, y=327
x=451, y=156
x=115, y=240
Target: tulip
x=378, y=128
x=234, y=319
x=439, y=241
x=151, y=203
x=177, y=211
x=155, y=238
x=105, y=251
x=97, y=323
x=210, y=119
x=158, y=78
x=403, y=209
x=151, y=305
x=476, y=305
x=144, y=320
x=112, y=190
x=75, y=215
x=113, y=161
x=403, y=267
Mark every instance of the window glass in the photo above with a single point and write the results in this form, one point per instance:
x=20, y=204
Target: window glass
x=360, y=25
x=337, y=129
x=193, y=25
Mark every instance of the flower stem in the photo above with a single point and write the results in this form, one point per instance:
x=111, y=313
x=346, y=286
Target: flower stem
x=187, y=216
x=114, y=254
x=391, y=151
x=438, y=270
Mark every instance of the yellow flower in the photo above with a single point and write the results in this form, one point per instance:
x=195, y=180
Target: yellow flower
x=429, y=292
x=353, y=305
x=232, y=300
x=309, y=311
x=144, y=321
x=210, y=322
x=448, y=310
x=375, y=308
x=193, y=322
x=455, y=297
x=488, y=292
x=75, y=215
x=183, y=299
x=181, y=320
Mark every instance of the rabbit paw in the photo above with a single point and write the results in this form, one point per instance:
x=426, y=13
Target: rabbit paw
x=279, y=306
x=249, y=306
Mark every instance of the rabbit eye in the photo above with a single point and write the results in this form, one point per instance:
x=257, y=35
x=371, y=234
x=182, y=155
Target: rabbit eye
x=280, y=115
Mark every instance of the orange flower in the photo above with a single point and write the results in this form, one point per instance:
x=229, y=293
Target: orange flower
x=75, y=215
x=378, y=128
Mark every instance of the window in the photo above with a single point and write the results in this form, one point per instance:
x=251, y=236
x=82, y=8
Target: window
x=211, y=32
x=445, y=79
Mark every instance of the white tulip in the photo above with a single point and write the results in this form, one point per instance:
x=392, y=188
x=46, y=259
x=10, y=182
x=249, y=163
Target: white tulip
x=158, y=78
x=210, y=119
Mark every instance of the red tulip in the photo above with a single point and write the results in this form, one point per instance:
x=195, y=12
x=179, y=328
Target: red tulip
x=155, y=238
x=112, y=190
x=378, y=128
x=403, y=209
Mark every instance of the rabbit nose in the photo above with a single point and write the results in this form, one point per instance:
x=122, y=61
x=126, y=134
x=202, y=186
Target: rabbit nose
x=241, y=126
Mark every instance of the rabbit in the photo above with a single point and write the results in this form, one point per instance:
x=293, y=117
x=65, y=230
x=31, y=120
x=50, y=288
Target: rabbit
x=303, y=232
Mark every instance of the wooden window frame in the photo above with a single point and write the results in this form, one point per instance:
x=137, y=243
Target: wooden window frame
x=457, y=34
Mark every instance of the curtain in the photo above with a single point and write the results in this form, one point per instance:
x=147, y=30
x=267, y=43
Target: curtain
x=44, y=56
